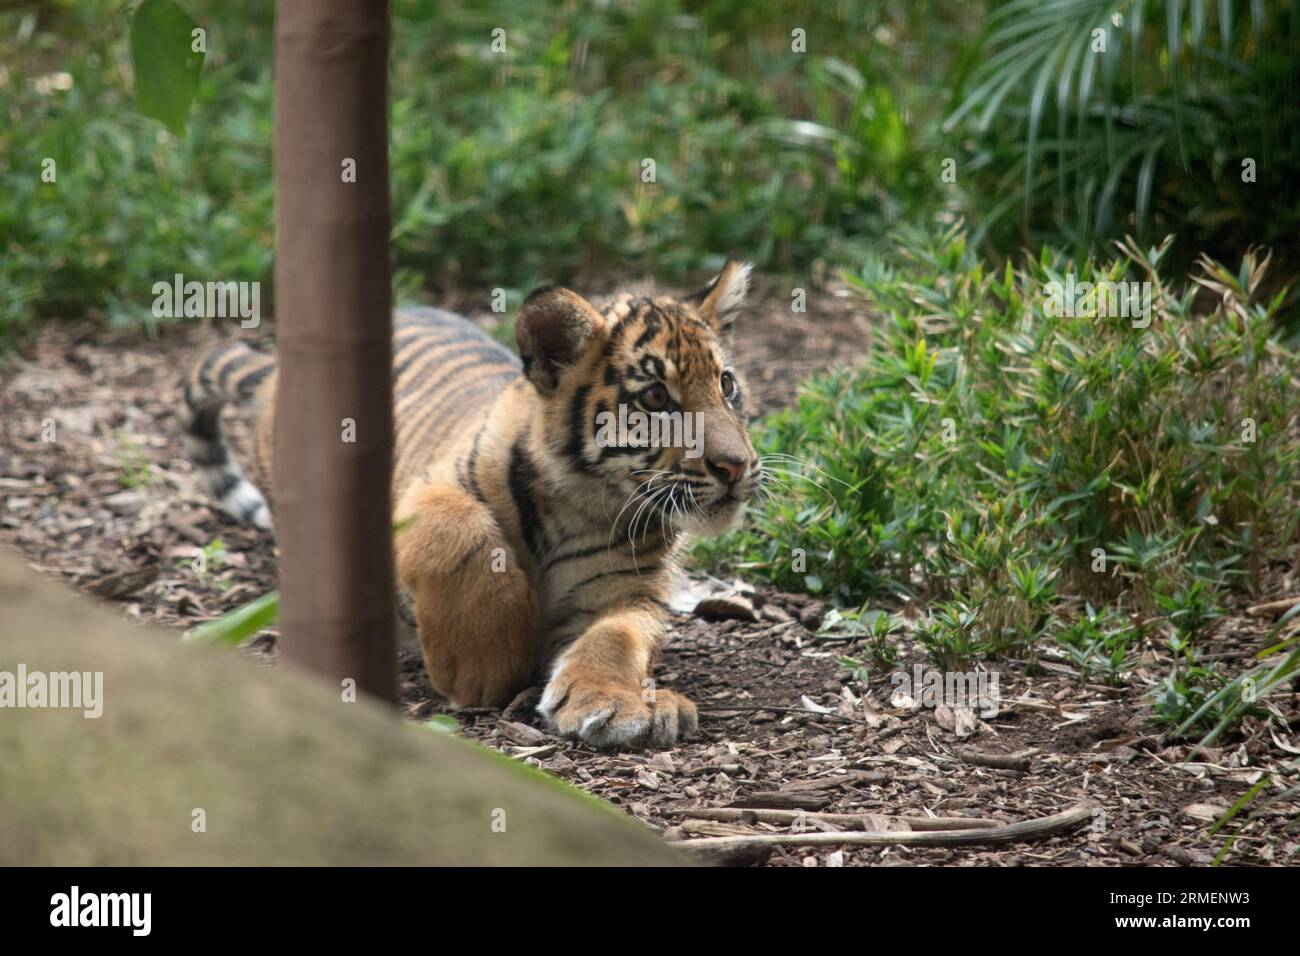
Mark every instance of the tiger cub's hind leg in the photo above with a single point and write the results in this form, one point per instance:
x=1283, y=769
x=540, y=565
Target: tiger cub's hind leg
x=474, y=610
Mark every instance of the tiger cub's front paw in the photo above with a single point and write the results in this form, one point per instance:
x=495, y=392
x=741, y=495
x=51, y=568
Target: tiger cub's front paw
x=612, y=716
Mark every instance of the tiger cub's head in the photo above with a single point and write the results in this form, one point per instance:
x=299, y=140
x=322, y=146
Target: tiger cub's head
x=640, y=398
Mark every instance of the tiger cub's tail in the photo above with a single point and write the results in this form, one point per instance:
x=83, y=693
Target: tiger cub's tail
x=227, y=375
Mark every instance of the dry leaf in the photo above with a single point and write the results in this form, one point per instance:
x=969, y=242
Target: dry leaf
x=813, y=707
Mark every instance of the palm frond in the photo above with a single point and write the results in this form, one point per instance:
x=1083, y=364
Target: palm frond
x=1120, y=139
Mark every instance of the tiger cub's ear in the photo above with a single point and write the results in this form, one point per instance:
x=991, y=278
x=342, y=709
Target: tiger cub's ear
x=721, y=300
x=553, y=328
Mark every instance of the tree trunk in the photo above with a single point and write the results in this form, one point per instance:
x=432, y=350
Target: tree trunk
x=332, y=460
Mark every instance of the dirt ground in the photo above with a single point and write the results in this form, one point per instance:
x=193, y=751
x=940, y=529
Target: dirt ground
x=111, y=505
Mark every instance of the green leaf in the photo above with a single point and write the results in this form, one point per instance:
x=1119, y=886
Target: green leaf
x=237, y=625
x=1036, y=99
x=1225, y=23
x=1146, y=176
x=443, y=724
x=166, y=66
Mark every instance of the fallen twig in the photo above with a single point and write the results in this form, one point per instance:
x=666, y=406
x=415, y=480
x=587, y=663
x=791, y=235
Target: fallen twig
x=1272, y=607
x=1015, y=761
x=771, y=709
x=1010, y=833
x=1025, y=703
x=851, y=821
x=784, y=799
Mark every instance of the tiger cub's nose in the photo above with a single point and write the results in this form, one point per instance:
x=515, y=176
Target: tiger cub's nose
x=728, y=470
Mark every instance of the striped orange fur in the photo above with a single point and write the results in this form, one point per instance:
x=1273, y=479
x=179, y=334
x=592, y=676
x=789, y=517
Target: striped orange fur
x=531, y=549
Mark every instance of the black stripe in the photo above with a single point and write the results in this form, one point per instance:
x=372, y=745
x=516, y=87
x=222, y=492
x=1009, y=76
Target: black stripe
x=205, y=425
x=469, y=556
x=573, y=556
x=404, y=335
x=474, y=393
x=491, y=360
x=230, y=368
x=461, y=344
x=648, y=569
x=578, y=430
x=455, y=329
x=659, y=544
x=637, y=308
x=649, y=544
x=205, y=370
x=523, y=475
x=248, y=385
x=490, y=355
x=225, y=484
x=472, y=464
x=652, y=326
x=417, y=350
x=412, y=427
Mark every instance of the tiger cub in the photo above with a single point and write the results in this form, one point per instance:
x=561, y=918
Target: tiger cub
x=538, y=532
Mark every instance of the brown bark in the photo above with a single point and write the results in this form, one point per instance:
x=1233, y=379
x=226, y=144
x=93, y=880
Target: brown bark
x=334, y=344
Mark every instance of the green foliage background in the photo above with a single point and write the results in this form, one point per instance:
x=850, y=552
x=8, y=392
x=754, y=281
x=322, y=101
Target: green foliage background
x=516, y=168
x=507, y=169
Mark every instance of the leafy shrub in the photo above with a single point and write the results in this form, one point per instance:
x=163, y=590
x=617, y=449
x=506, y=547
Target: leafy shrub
x=996, y=454
x=1099, y=641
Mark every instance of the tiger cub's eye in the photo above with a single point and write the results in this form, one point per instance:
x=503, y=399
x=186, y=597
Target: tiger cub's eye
x=729, y=386
x=654, y=398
